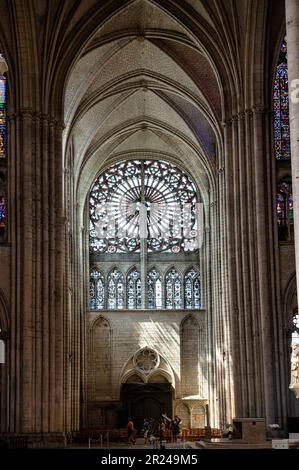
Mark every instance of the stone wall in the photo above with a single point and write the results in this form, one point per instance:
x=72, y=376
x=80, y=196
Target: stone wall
x=113, y=337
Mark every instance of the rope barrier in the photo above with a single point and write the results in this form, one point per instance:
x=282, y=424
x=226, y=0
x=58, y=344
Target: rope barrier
x=100, y=439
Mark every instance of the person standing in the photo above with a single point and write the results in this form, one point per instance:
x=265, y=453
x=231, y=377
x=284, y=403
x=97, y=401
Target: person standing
x=175, y=427
x=130, y=431
x=145, y=430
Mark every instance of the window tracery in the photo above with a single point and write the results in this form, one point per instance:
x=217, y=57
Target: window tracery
x=134, y=289
x=143, y=207
x=154, y=289
x=284, y=209
x=146, y=360
x=281, y=107
x=295, y=327
x=3, y=105
x=116, y=290
x=3, y=149
x=97, y=290
x=173, y=286
x=192, y=289
x=135, y=193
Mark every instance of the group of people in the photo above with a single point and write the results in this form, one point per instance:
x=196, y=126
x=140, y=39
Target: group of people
x=155, y=429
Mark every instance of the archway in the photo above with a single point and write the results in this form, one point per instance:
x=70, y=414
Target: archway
x=150, y=400
x=4, y=364
x=290, y=337
x=123, y=105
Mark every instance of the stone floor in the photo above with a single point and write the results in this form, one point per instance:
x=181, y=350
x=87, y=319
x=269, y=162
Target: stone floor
x=213, y=444
x=231, y=444
x=138, y=445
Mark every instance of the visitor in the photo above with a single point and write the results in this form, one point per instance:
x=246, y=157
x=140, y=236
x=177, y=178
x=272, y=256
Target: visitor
x=145, y=430
x=175, y=427
x=162, y=429
x=130, y=431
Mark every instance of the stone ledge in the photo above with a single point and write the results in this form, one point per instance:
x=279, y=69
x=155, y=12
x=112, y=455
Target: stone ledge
x=33, y=440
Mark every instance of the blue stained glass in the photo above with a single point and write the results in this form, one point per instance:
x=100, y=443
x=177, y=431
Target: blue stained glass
x=2, y=116
x=134, y=299
x=192, y=289
x=2, y=211
x=154, y=289
x=281, y=107
x=116, y=289
x=96, y=290
x=173, y=290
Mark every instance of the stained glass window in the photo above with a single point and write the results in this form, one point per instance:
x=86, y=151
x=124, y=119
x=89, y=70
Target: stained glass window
x=134, y=289
x=295, y=329
x=143, y=199
x=97, y=290
x=2, y=115
x=281, y=107
x=192, y=289
x=3, y=129
x=154, y=289
x=116, y=289
x=2, y=350
x=2, y=211
x=284, y=208
x=173, y=289
x=144, y=207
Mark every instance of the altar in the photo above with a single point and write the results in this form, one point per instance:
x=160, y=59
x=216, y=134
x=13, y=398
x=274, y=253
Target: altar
x=250, y=429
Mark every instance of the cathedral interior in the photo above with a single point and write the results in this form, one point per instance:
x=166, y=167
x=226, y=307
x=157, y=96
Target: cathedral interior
x=148, y=181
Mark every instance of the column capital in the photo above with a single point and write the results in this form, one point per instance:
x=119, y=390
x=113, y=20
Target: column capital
x=28, y=112
x=260, y=109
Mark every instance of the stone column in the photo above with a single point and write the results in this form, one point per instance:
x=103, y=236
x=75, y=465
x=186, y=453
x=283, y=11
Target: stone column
x=292, y=22
x=263, y=268
x=37, y=228
x=143, y=243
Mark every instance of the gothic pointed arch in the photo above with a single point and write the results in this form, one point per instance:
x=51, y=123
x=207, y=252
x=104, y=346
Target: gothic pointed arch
x=281, y=106
x=3, y=332
x=285, y=210
x=96, y=289
x=4, y=361
x=100, y=358
x=192, y=294
x=133, y=286
x=154, y=288
x=149, y=365
x=193, y=357
x=3, y=150
x=115, y=289
x=173, y=289
x=290, y=326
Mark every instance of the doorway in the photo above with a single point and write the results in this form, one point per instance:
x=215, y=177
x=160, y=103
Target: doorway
x=146, y=400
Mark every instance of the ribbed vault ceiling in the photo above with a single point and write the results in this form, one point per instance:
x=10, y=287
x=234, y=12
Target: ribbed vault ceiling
x=142, y=86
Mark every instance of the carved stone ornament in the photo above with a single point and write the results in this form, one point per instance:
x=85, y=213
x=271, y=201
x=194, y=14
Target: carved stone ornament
x=146, y=360
x=295, y=369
